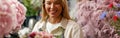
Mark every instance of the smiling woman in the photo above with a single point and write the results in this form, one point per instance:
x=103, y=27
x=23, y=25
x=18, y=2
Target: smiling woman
x=59, y=6
x=53, y=9
x=56, y=22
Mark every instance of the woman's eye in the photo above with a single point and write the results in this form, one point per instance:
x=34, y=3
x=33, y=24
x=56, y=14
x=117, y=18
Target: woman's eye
x=48, y=3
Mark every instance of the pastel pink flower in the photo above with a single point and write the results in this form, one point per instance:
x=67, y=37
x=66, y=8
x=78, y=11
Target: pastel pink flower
x=12, y=15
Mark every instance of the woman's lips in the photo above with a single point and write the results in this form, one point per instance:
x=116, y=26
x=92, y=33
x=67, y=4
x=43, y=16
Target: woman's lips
x=53, y=12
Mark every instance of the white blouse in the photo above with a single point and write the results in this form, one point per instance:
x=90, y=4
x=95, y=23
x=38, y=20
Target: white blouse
x=50, y=26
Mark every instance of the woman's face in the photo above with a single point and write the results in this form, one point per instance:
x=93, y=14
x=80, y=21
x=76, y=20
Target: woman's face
x=53, y=8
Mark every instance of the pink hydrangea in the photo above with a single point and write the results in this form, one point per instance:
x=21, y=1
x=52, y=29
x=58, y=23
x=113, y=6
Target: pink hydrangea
x=12, y=15
x=88, y=16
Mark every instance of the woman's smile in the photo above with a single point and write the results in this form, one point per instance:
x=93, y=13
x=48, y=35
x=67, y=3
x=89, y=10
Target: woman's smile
x=53, y=8
x=53, y=11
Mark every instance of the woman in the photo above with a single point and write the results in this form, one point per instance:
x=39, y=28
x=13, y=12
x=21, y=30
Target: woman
x=56, y=21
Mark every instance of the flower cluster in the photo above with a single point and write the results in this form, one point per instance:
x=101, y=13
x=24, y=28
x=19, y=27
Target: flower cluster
x=114, y=16
x=12, y=16
x=116, y=22
x=32, y=35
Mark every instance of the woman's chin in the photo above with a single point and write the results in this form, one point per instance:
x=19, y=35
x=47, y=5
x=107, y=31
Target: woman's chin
x=52, y=16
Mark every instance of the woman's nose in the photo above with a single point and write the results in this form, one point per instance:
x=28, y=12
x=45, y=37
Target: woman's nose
x=52, y=6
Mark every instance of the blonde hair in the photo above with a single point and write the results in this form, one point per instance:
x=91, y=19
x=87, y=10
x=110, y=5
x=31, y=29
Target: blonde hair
x=64, y=14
